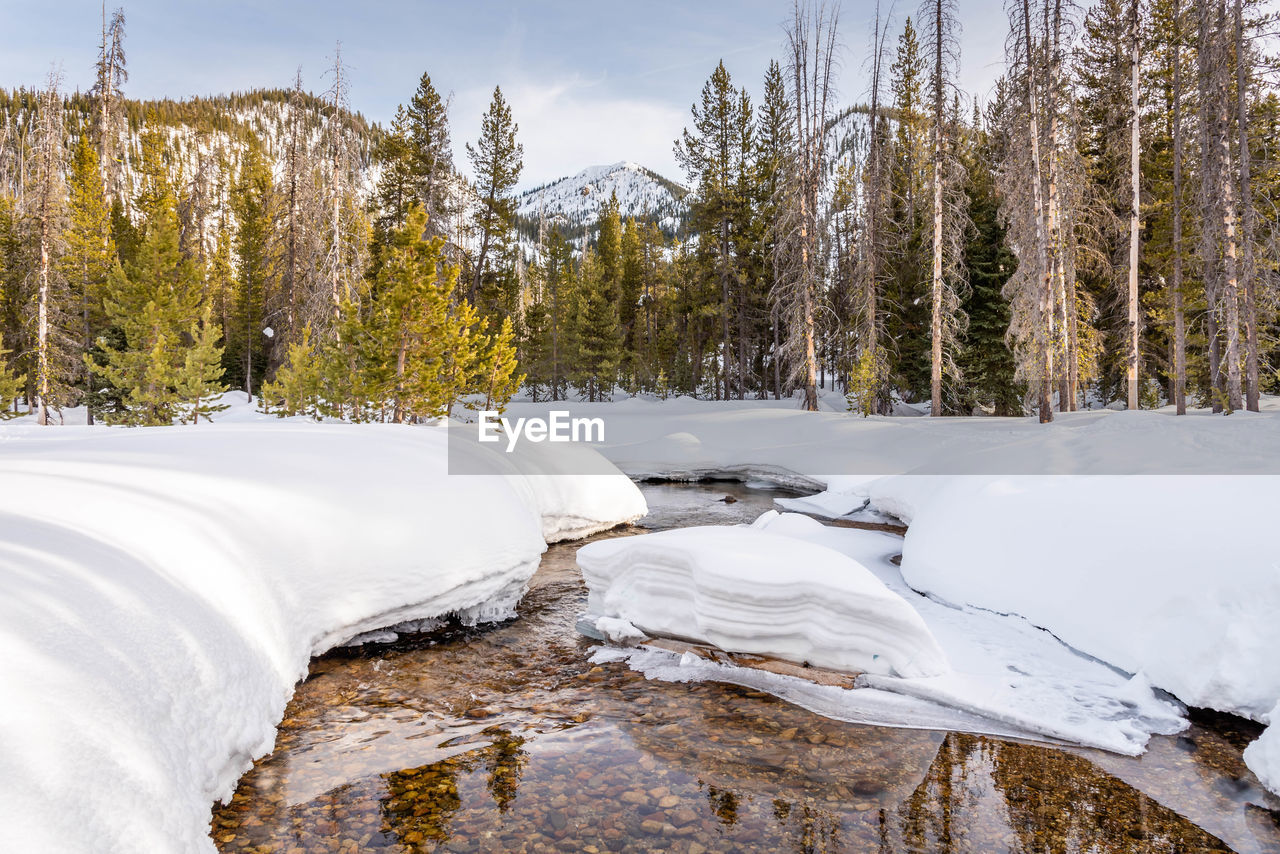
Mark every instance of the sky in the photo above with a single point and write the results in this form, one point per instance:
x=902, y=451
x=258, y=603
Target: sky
x=588, y=82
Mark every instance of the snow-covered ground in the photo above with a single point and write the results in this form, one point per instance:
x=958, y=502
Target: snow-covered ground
x=776, y=440
x=164, y=589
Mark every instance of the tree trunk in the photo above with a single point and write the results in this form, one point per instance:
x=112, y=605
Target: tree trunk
x=1179, y=320
x=1247, y=224
x=43, y=367
x=1135, y=186
x=935, y=328
x=1046, y=298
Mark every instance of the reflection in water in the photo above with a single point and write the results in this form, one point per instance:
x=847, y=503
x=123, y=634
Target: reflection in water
x=508, y=739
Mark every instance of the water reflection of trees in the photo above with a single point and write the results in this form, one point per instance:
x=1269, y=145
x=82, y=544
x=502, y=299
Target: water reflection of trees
x=420, y=803
x=986, y=795
x=1062, y=803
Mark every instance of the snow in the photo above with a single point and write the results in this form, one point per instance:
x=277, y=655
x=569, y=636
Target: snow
x=777, y=441
x=166, y=587
x=1174, y=578
x=753, y=591
x=580, y=198
x=1263, y=756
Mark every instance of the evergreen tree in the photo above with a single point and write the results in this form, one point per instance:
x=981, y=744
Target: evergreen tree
x=410, y=322
x=599, y=336
x=154, y=304
x=396, y=190
x=431, y=154
x=497, y=378
x=986, y=363
x=496, y=160
x=299, y=386
x=89, y=254
x=12, y=385
x=254, y=205
x=711, y=155
x=199, y=382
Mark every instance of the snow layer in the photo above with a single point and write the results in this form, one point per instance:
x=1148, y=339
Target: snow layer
x=748, y=590
x=1263, y=756
x=164, y=589
x=1173, y=578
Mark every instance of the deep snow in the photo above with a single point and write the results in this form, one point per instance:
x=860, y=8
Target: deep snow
x=164, y=589
x=749, y=590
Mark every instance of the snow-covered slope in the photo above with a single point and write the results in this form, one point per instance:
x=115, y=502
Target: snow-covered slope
x=164, y=588
x=577, y=200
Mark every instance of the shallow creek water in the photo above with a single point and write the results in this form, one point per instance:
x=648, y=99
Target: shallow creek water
x=507, y=738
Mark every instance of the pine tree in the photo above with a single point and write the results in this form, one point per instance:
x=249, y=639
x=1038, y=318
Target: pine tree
x=986, y=363
x=431, y=154
x=253, y=202
x=599, y=336
x=199, y=382
x=89, y=254
x=12, y=385
x=710, y=154
x=154, y=304
x=410, y=322
x=298, y=387
x=497, y=377
x=775, y=148
x=396, y=190
x=496, y=160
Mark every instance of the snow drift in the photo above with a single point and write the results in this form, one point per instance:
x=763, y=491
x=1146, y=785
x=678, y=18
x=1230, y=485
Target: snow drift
x=1135, y=571
x=164, y=589
x=747, y=590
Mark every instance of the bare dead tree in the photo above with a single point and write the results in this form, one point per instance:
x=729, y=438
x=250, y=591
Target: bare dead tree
x=872, y=361
x=344, y=257
x=1179, y=318
x=949, y=220
x=811, y=42
x=1132, y=355
x=111, y=75
x=1248, y=224
x=1218, y=215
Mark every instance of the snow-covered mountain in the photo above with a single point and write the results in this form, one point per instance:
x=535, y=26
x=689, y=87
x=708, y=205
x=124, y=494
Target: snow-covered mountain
x=575, y=202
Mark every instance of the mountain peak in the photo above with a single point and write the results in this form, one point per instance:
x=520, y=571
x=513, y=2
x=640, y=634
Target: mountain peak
x=576, y=200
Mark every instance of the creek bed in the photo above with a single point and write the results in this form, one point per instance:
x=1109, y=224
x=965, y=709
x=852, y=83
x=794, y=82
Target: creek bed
x=506, y=738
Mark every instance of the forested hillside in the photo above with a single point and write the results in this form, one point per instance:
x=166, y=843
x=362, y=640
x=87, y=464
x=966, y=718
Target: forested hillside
x=1100, y=227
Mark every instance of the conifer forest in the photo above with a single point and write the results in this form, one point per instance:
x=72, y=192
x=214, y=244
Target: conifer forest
x=1100, y=227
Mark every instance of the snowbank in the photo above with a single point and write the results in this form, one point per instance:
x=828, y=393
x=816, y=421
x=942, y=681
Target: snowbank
x=748, y=590
x=1263, y=756
x=1171, y=577
x=165, y=588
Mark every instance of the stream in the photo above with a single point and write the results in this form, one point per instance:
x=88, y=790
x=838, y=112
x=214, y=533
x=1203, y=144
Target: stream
x=506, y=738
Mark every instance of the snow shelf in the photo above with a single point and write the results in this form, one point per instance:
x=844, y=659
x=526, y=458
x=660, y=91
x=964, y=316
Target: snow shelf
x=748, y=591
x=164, y=589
